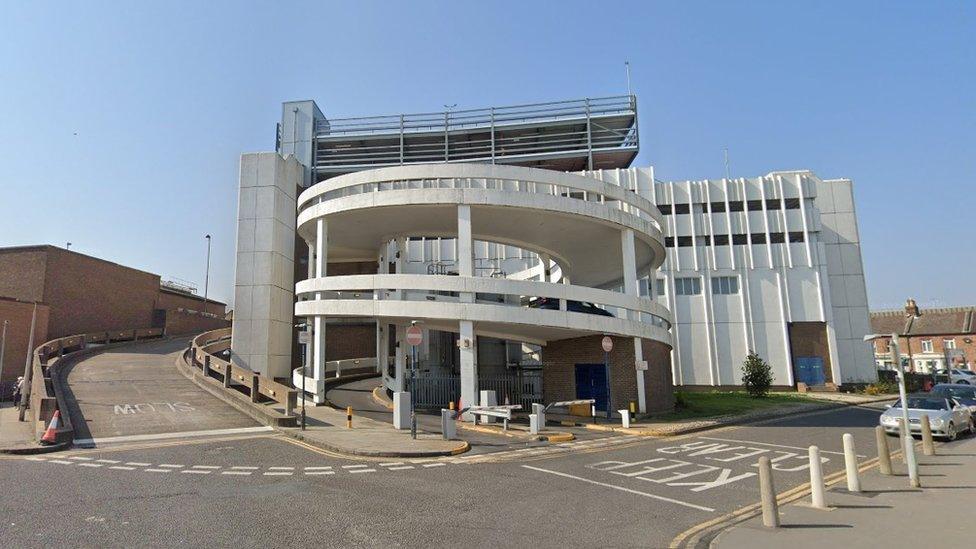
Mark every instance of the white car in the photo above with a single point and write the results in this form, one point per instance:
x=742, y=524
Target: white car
x=965, y=377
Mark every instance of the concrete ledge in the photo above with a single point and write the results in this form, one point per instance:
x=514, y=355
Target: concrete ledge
x=260, y=413
x=28, y=450
x=379, y=396
x=461, y=447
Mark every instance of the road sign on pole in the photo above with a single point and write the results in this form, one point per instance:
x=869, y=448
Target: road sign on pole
x=607, y=344
x=414, y=336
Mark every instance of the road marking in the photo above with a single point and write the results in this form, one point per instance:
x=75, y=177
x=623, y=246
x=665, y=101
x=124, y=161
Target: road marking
x=391, y=464
x=171, y=465
x=353, y=466
x=245, y=467
x=235, y=472
x=622, y=489
x=776, y=445
x=329, y=467
x=277, y=473
x=163, y=436
x=319, y=472
x=35, y=458
x=138, y=463
x=400, y=468
x=196, y=472
x=89, y=465
x=206, y=466
x=107, y=460
x=121, y=468
x=81, y=458
x=61, y=461
x=158, y=470
x=434, y=464
x=362, y=470
x=281, y=468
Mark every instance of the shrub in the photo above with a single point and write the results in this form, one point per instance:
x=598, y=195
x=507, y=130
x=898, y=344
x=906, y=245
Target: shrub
x=882, y=387
x=680, y=401
x=757, y=375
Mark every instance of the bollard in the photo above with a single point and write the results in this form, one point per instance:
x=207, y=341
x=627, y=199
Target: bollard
x=633, y=408
x=902, y=439
x=770, y=509
x=534, y=424
x=850, y=461
x=624, y=418
x=450, y=405
x=348, y=417
x=540, y=413
x=816, y=479
x=884, y=454
x=928, y=447
x=448, y=427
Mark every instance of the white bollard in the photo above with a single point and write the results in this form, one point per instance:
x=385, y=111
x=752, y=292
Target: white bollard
x=401, y=410
x=540, y=413
x=850, y=461
x=534, y=424
x=816, y=479
x=488, y=398
x=624, y=418
x=448, y=427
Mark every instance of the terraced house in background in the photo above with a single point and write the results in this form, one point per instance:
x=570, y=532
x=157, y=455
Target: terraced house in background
x=517, y=238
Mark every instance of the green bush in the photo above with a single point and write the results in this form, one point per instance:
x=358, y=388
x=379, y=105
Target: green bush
x=681, y=401
x=882, y=387
x=757, y=375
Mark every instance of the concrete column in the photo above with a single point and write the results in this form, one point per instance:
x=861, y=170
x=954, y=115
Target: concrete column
x=629, y=254
x=546, y=267
x=465, y=247
x=400, y=359
x=382, y=348
x=318, y=335
x=469, y=366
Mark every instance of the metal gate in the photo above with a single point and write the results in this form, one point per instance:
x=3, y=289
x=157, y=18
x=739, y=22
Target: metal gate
x=436, y=391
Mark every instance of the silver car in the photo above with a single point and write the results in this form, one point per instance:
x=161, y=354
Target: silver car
x=947, y=416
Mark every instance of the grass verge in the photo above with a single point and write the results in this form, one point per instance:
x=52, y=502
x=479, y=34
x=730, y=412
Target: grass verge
x=703, y=405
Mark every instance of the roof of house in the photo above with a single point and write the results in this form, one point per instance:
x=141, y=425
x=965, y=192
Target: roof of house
x=948, y=320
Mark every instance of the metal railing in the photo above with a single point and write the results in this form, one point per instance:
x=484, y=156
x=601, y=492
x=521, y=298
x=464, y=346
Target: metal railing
x=436, y=391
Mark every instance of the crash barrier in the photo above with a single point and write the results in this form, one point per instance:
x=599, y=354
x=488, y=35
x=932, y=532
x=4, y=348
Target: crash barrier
x=47, y=394
x=260, y=388
x=537, y=419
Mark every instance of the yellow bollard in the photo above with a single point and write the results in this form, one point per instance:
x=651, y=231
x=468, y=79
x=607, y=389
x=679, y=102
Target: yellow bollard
x=348, y=417
x=633, y=409
x=450, y=405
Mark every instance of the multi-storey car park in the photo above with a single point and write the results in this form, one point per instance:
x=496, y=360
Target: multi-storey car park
x=517, y=238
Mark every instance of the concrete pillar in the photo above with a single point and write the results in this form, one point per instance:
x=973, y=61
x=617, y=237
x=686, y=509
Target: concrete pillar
x=469, y=366
x=401, y=410
x=318, y=335
x=465, y=244
x=382, y=347
x=400, y=358
x=488, y=398
x=629, y=254
x=546, y=267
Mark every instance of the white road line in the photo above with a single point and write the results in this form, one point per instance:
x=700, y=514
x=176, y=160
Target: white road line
x=391, y=464
x=107, y=460
x=89, y=465
x=362, y=470
x=281, y=468
x=206, y=466
x=80, y=458
x=235, y=472
x=622, y=489
x=775, y=445
x=245, y=467
x=121, y=467
x=163, y=436
x=277, y=473
x=138, y=463
x=195, y=472
x=35, y=458
x=400, y=468
x=158, y=470
x=171, y=465
x=319, y=472
x=327, y=467
x=434, y=464
x=354, y=466
x=61, y=461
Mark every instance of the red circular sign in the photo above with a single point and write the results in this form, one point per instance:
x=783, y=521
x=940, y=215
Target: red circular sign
x=414, y=335
x=607, y=344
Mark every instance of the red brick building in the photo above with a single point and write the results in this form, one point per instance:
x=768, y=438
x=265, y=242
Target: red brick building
x=928, y=339
x=77, y=293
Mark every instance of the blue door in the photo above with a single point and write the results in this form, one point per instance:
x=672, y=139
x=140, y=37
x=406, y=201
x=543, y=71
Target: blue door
x=810, y=370
x=591, y=382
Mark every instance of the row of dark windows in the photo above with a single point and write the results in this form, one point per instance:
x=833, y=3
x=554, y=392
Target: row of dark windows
x=723, y=239
x=734, y=206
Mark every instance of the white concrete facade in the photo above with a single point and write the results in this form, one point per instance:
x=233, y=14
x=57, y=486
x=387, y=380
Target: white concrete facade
x=779, y=249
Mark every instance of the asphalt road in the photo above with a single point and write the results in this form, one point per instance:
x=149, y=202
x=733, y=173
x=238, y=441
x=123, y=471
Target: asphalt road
x=266, y=490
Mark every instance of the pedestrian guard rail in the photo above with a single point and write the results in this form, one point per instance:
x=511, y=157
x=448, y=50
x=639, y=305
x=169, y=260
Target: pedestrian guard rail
x=258, y=387
x=47, y=393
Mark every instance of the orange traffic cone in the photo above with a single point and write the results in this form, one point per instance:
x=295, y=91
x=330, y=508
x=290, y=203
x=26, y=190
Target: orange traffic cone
x=50, y=436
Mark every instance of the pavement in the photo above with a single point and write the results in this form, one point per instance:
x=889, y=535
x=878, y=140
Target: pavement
x=15, y=435
x=887, y=513
x=260, y=489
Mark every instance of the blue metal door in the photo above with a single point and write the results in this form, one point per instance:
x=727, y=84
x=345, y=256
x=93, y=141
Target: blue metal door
x=591, y=382
x=810, y=370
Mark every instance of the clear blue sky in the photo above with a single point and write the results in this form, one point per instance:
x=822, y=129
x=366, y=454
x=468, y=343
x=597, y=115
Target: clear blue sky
x=122, y=122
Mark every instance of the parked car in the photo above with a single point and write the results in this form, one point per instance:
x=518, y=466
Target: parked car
x=572, y=306
x=947, y=417
x=964, y=377
x=964, y=394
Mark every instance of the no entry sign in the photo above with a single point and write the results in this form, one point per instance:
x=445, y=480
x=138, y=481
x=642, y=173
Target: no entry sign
x=414, y=336
x=607, y=344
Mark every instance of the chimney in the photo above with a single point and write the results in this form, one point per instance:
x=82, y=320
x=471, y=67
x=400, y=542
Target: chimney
x=911, y=309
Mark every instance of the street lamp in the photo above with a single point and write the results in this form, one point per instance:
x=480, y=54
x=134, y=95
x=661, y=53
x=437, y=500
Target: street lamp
x=206, y=280
x=908, y=442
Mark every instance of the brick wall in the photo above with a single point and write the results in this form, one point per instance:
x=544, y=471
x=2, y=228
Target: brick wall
x=559, y=373
x=18, y=314
x=350, y=341
x=809, y=339
x=22, y=273
x=912, y=346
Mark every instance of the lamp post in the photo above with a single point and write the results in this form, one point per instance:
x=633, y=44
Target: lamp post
x=909, y=442
x=206, y=279
x=26, y=392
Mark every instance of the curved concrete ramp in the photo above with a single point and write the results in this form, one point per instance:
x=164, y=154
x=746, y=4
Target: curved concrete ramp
x=135, y=393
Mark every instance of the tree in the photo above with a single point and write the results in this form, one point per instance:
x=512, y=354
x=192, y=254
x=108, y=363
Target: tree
x=757, y=375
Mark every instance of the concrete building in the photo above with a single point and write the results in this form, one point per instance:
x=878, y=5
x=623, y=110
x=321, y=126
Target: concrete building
x=928, y=340
x=518, y=237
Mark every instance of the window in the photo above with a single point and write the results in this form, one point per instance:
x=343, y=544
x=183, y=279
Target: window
x=725, y=285
x=644, y=287
x=681, y=209
x=792, y=203
x=777, y=238
x=687, y=286
x=740, y=239
x=948, y=344
x=717, y=207
x=926, y=345
x=669, y=241
x=735, y=206
x=661, y=285
x=758, y=238
x=665, y=209
x=773, y=204
x=704, y=240
x=754, y=205
x=796, y=236
x=721, y=240
x=684, y=241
